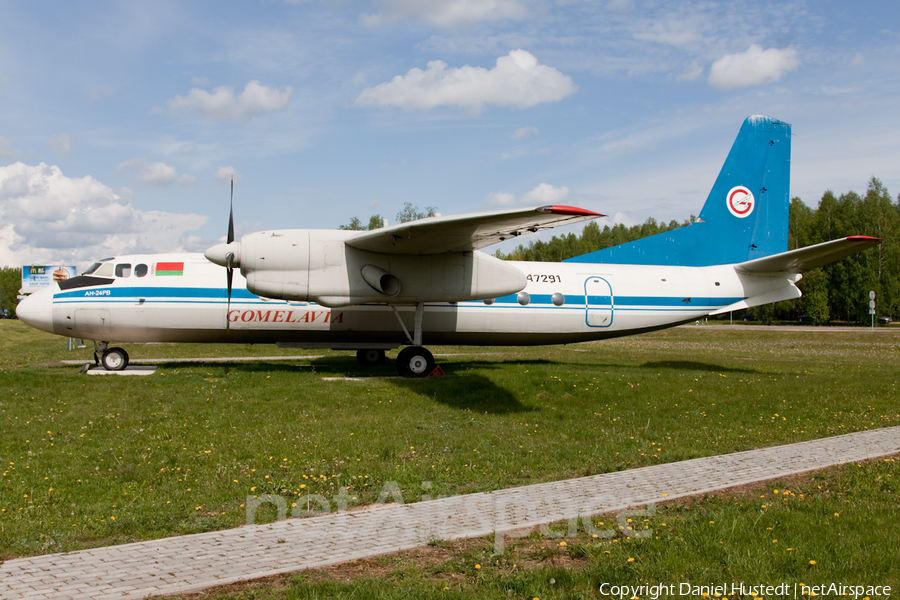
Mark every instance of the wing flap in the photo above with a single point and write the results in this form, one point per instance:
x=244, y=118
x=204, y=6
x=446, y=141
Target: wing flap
x=810, y=257
x=464, y=233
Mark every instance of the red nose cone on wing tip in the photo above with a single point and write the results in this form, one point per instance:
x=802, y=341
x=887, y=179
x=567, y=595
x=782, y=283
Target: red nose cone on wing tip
x=572, y=211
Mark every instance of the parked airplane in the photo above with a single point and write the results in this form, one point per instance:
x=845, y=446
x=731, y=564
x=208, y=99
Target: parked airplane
x=426, y=280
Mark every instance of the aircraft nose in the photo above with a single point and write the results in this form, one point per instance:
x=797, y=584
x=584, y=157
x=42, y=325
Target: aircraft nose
x=219, y=254
x=37, y=309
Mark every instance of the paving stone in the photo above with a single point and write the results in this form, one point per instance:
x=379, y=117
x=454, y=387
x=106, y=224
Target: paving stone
x=215, y=558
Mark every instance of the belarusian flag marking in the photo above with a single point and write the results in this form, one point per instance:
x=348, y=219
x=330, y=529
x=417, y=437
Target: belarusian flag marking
x=169, y=269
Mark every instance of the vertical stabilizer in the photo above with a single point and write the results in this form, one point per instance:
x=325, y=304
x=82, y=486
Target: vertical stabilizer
x=745, y=215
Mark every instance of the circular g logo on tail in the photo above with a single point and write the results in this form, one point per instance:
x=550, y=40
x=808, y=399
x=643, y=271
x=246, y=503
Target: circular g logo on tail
x=740, y=202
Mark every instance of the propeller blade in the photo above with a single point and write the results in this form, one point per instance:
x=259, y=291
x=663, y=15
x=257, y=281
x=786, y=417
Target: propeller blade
x=229, y=274
x=230, y=237
x=229, y=270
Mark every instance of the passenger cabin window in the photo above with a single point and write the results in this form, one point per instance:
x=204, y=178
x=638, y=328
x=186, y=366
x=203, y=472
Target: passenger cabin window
x=105, y=270
x=140, y=270
x=123, y=270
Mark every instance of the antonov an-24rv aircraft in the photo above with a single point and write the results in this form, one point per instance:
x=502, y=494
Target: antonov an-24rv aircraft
x=426, y=281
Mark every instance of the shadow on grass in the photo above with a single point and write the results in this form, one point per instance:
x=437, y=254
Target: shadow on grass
x=465, y=391
x=688, y=365
x=256, y=366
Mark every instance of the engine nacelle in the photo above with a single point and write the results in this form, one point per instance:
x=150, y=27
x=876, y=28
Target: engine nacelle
x=315, y=265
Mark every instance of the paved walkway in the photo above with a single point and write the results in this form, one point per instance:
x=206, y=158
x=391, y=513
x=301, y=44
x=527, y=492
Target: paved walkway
x=194, y=562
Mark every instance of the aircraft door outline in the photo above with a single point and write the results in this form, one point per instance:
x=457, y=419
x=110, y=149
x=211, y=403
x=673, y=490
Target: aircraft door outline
x=599, y=302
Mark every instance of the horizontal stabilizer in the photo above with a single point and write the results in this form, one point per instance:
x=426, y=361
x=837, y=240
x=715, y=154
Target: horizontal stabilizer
x=464, y=233
x=786, y=292
x=810, y=257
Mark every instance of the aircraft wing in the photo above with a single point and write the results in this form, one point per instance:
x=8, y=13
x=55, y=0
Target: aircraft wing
x=811, y=257
x=463, y=233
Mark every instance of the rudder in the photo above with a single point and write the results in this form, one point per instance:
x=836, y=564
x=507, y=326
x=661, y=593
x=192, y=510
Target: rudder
x=745, y=215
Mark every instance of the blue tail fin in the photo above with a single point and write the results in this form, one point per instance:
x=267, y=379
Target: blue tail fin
x=745, y=215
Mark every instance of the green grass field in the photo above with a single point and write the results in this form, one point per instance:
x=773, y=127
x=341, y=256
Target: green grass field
x=89, y=461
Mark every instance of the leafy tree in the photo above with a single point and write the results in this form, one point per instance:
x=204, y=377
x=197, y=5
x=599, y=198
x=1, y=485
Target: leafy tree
x=10, y=283
x=375, y=222
x=800, y=228
x=592, y=238
x=815, y=297
x=412, y=213
x=409, y=213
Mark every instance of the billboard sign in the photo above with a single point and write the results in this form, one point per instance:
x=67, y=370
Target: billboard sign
x=36, y=277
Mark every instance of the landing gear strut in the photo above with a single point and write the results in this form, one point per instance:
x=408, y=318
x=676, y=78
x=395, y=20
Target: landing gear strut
x=112, y=359
x=414, y=360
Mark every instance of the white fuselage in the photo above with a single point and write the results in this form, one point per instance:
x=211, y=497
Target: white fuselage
x=561, y=303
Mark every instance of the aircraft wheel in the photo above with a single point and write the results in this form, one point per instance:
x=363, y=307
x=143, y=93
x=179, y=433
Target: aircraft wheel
x=370, y=358
x=115, y=359
x=415, y=361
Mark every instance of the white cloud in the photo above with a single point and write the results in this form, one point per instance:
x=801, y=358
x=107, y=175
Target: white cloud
x=858, y=60
x=447, y=13
x=62, y=143
x=690, y=73
x=7, y=151
x=155, y=173
x=226, y=173
x=524, y=132
x=543, y=194
x=222, y=104
x=49, y=218
x=518, y=80
x=501, y=198
x=753, y=67
x=196, y=80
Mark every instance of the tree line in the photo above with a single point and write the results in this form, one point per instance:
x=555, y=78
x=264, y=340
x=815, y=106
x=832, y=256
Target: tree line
x=10, y=282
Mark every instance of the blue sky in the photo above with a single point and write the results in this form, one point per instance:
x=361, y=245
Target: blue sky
x=121, y=123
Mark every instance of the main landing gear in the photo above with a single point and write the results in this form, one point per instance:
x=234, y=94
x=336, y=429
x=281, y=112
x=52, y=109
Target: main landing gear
x=414, y=360
x=112, y=359
x=371, y=357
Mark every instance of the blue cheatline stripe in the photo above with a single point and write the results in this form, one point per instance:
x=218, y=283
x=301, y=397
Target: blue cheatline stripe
x=626, y=301
x=240, y=296
x=155, y=292
x=672, y=301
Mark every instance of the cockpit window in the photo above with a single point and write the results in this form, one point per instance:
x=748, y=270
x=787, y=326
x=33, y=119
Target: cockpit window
x=140, y=270
x=92, y=268
x=105, y=270
x=96, y=266
x=123, y=270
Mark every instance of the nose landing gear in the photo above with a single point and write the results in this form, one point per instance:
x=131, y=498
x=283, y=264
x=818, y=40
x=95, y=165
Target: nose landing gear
x=112, y=359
